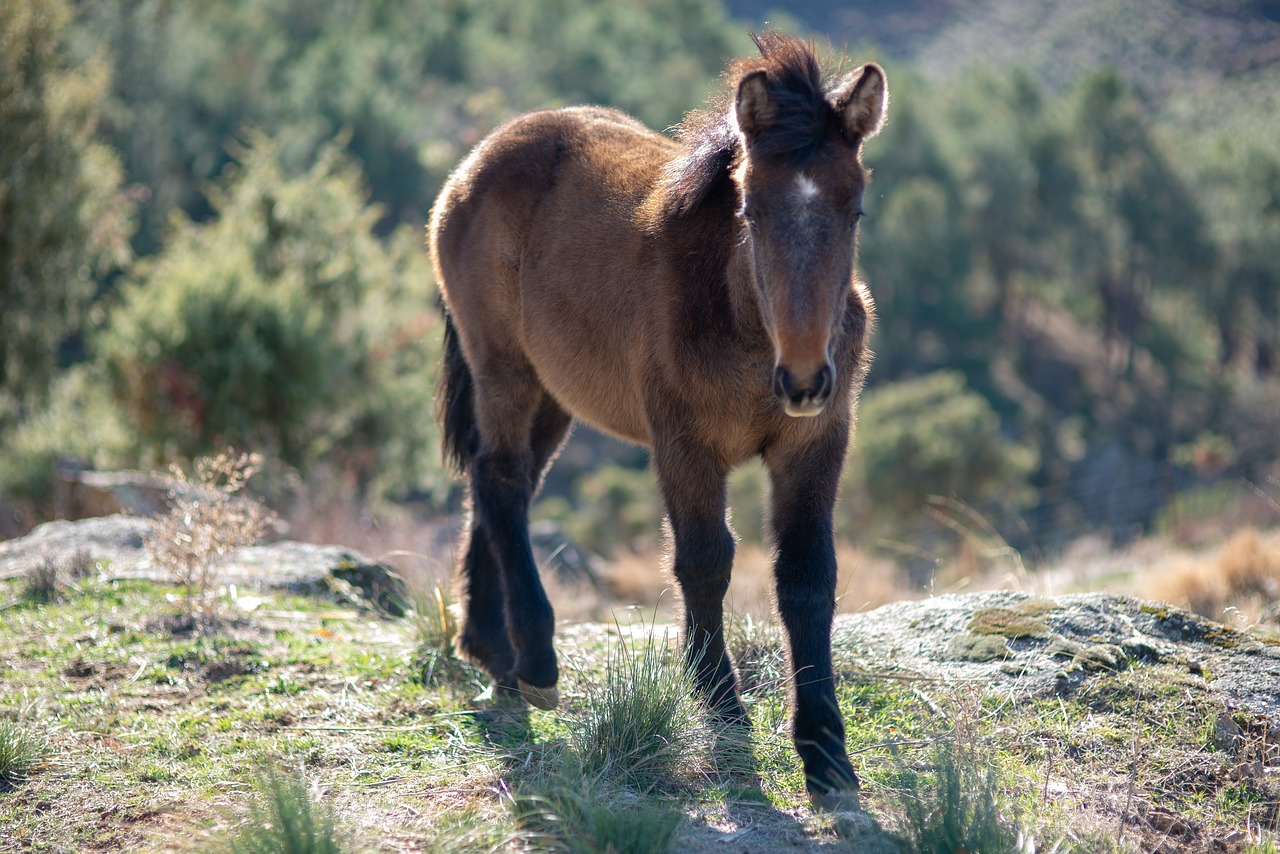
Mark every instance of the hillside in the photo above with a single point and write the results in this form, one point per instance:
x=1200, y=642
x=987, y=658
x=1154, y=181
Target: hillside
x=1158, y=45
x=1087, y=723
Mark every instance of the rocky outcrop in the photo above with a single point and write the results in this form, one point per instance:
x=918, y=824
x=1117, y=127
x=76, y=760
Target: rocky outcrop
x=115, y=545
x=1037, y=645
x=1026, y=644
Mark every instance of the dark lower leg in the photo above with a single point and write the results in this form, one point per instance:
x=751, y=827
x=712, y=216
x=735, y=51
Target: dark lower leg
x=806, y=573
x=483, y=634
x=502, y=489
x=803, y=498
x=703, y=562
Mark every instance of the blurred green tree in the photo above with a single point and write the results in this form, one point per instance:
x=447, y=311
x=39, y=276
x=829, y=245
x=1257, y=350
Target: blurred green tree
x=928, y=436
x=283, y=325
x=64, y=222
x=413, y=82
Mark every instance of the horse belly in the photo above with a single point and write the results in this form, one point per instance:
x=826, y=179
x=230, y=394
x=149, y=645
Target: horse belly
x=586, y=366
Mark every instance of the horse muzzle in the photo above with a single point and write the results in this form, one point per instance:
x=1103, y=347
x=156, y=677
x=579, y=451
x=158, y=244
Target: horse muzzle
x=804, y=398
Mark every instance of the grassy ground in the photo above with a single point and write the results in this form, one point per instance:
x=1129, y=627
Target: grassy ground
x=150, y=739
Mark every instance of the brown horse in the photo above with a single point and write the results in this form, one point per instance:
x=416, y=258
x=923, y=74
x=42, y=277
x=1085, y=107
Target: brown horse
x=696, y=296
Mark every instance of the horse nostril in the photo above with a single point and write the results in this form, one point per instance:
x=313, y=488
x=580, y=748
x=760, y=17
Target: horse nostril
x=782, y=384
x=823, y=382
x=814, y=392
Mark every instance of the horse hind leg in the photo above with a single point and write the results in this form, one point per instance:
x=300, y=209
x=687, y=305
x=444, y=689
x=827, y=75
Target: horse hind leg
x=518, y=432
x=483, y=636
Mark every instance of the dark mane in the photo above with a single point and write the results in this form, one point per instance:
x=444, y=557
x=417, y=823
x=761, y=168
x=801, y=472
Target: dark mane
x=797, y=89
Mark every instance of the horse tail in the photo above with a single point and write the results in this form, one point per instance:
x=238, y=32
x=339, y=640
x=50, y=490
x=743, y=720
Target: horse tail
x=455, y=402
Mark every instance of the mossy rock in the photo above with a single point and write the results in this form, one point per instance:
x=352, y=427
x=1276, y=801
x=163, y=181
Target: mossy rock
x=1061, y=647
x=978, y=647
x=1100, y=656
x=1009, y=623
x=1036, y=607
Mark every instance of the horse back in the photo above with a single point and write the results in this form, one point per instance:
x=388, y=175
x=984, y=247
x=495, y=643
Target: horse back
x=542, y=253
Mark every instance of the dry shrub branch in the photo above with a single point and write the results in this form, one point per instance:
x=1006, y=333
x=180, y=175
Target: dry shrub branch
x=207, y=520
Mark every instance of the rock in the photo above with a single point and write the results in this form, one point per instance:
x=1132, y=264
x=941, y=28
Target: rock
x=116, y=545
x=554, y=550
x=112, y=541
x=81, y=492
x=1057, y=648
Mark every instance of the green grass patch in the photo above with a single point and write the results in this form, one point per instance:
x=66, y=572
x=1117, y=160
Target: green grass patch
x=284, y=817
x=144, y=722
x=21, y=750
x=639, y=724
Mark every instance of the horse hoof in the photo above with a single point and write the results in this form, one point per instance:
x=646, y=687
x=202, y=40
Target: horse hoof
x=547, y=699
x=845, y=801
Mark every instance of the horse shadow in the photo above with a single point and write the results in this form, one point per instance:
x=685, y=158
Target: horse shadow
x=529, y=774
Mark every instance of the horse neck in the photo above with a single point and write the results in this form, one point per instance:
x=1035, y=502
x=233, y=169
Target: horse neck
x=742, y=292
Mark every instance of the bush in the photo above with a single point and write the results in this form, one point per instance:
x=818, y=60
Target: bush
x=933, y=436
x=80, y=420
x=284, y=325
x=218, y=356
x=206, y=522
x=64, y=223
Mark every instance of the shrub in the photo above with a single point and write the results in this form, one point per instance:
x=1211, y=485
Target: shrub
x=64, y=223
x=284, y=324
x=933, y=436
x=218, y=355
x=205, y=523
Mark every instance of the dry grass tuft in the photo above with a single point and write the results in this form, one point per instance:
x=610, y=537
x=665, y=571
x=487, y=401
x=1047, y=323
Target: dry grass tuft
x=433, y=621
x=46, y=579
x=1244, y=575
x=1249, y=568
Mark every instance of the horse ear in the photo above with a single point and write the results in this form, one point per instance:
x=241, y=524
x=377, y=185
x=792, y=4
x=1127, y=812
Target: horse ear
x=752, y=109
x=863, y=102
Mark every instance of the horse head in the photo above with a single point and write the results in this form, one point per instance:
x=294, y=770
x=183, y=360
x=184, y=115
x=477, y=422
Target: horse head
x=800, y=181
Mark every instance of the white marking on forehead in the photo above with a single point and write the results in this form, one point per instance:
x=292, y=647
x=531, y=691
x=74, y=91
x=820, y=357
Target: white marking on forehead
x=806, y=190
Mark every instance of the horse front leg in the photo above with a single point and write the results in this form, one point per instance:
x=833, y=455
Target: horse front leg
x=693, y=485
x=804, y=484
